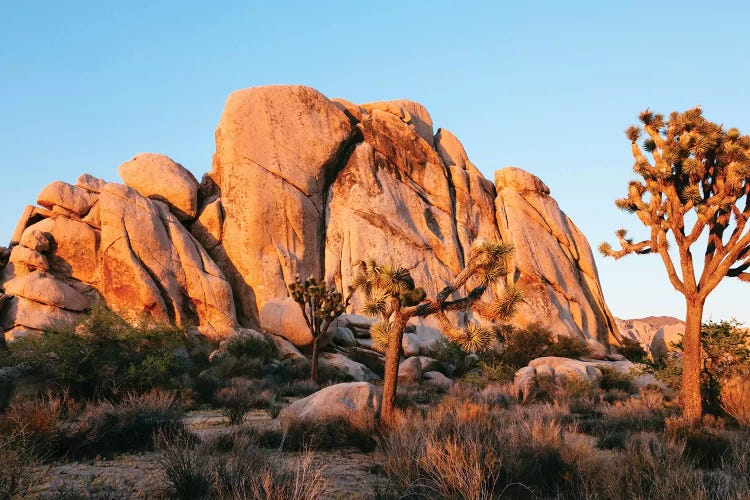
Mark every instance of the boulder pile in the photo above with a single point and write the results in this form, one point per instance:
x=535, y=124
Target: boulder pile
x=300, y=185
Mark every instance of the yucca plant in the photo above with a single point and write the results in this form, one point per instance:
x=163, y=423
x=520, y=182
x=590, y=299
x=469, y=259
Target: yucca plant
x=695, y=183
x=320, y=306
x=392, y=296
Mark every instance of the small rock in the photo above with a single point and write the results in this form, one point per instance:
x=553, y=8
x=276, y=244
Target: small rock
x=410, y=370
x=346, y=366
x=34, y=239
x=410, y=345
x=438, y=380
x=344, y=337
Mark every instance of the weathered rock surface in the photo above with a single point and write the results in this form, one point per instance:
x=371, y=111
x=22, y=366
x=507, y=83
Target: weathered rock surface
x=345, y=366
x=553, y=260
x=355, y=402
x=277, y=150
x=300, y=185
x=562, y=370
x=158, y=177
x=655, y=333
x=137, y=257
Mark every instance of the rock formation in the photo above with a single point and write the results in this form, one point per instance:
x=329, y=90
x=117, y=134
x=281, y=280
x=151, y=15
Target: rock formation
x=106, y=241
x=300, y=184
x=655, y=333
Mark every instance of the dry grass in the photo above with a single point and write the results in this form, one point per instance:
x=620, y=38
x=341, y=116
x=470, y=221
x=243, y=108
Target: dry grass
x=466, y=448
x=356, y=429
x=735, y=399
x=233, y=468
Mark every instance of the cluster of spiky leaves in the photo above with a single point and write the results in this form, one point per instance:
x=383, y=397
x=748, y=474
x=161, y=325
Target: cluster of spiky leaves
x=320, y=304
x=695, y=166
x=488, y=263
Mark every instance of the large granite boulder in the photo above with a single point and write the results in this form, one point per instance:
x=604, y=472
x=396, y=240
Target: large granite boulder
x=135, y=255
x=158, y=177
x=300, y=185
x=553, y=260
x=277, y=150
x=356, y=402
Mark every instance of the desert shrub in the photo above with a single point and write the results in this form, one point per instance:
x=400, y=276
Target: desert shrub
x=487, y=374
x=464, y=449
x=634, y=414
x=105, y=357
x=725, y=353
x=297, y=388
x=668, y=369
x=632, y=350
x=524, y=344
x=735, y=399
x=105, y=428
x=20, y=471
x=613, y=379
x=452, y=357
x=578, y=394
x=232, y=468
x=355, y=430
x=240, y=398
x=35, y=423
x=535, y=341
x=417, y=395
x=568, y=347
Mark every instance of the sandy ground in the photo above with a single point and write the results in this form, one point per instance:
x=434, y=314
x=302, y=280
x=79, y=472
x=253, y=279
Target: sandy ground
x=348, y=471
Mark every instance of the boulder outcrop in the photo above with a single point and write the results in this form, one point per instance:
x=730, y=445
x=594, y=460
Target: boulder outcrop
x=553, y=260
x=356, y=402
x=135, y=255
x=300, y=185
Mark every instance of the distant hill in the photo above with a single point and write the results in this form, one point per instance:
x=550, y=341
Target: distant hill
x=654, y=333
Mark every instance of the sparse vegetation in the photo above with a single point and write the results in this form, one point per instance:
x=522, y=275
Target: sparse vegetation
x=235, y=468
x=105, y=357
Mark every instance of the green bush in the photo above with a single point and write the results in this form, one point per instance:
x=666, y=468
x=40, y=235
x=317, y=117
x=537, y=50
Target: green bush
x=535, y=341
x=240, y=397
x=450, y=354
x=632, y=350
x=568, y=347
x=613, y=379
x=105, y=357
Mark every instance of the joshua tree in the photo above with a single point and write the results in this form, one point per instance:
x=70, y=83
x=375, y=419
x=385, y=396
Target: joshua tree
x=696, y=183
x=391, y=295
x=320, y=306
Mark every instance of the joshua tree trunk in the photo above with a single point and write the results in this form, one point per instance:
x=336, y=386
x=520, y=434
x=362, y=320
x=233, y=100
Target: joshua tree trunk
x=691, y=361
x=314, y=368
x=392, y=356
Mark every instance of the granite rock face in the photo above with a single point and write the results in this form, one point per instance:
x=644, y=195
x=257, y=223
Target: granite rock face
x=135, y=255
x=300, y=185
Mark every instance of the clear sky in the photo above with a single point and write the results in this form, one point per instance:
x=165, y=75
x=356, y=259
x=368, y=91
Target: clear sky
x=545, y=86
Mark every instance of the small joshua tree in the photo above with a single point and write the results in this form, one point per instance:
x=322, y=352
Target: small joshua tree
x=392, y=296
x=696, y=183
x=320, y=306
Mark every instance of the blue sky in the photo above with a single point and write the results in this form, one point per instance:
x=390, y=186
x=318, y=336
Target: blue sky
x=545, y=86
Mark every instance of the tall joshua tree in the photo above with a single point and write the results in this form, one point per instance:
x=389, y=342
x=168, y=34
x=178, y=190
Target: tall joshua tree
x=695, y=183
x=320, y=306
x=392, y=296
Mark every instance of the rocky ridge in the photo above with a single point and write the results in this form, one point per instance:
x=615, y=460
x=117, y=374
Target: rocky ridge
x=300, y=184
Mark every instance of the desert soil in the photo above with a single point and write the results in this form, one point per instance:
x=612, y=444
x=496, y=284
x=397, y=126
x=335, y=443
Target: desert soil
x=349, y=471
